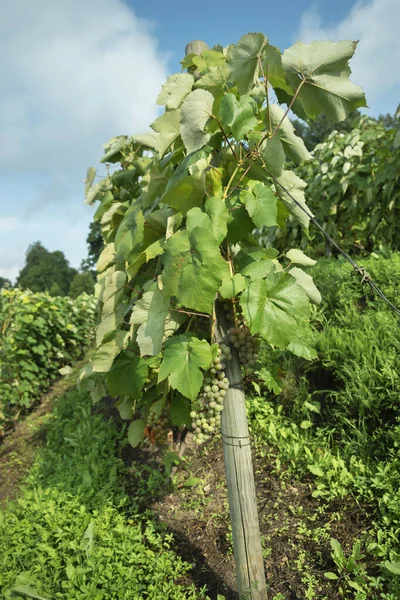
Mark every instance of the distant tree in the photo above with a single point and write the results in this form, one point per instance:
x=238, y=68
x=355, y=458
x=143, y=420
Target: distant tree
x=389, y=121
x=95, y=243
x=4, y=282
x=46, y=271
x=82, y=282
x=319, y=129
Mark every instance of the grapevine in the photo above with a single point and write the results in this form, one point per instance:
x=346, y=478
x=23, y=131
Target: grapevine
x=179, y=214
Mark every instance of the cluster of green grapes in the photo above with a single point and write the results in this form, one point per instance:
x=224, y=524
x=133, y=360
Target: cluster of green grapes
x=247, y=345
x=210, y=404
x=158, y=427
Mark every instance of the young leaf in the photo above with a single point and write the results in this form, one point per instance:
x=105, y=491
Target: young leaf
x=260, y=203
x=273, y=155
x=244, y=60
x=175, y=89
x=130, y=234
x=151, y=312
x=195, y=112
x=194, y=268
x=184, y=356
x=185, y=193
x=238, y=115
x=272, y=306
x=306, y=282
x=299, y=258
x=136, y=432
x=127, y=375
x=168, y=127
x=295, y=186
x=323, y=69
x=231, y=286
x=293, y=145
x=216, y=209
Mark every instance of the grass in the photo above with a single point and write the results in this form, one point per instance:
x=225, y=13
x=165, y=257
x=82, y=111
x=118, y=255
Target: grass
x=74, y=532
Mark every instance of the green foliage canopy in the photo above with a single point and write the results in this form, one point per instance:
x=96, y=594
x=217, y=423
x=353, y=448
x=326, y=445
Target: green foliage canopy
x=178, y=217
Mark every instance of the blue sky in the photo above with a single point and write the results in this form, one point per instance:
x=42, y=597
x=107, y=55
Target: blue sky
x=73, y=74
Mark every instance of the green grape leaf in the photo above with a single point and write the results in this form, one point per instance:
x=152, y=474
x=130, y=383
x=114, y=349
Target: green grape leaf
x=124, y=406
x=272, y=307
x=197, y=218
x=306, y=282
x=114, y=147
x=323, y=71
x=240, y=225
x=244, y=60
x=231, y=286
x=110, y=321
x=151, y=313
x=106, y=258
x=136, y=432
x=127, y=375
x=195, y=112
x=299, y=258
x=239, y=116
x=184, y=357
x=216, y=209
x=130, y=234
x=104, y=356
x=194, y=268
x=175, y=90
x=168, y=128
x=273, y=155
x=260, y=203
x=90, y=175
x=214, y=81
x=299, y=348
x=295, y=186
x=185, y=193
x=293, y=145
x=180, y=410
x=149, y=139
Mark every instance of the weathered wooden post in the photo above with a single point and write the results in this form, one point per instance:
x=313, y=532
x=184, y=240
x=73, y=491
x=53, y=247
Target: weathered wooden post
x=238, y=463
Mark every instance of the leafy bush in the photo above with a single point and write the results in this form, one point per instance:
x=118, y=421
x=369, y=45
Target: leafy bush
x=40, y=334
x=74, y=533
x=337, y=420
x=353, y=190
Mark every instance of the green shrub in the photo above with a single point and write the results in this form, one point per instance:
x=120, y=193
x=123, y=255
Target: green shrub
x=336, y=420
x=74, y=533
x=39, y=335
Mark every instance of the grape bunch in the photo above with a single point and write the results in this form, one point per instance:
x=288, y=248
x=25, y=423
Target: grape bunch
x=246, y=345
x=158, y=427
x=207, y=418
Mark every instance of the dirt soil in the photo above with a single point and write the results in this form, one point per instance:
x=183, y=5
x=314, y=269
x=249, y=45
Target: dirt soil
x=296, y=528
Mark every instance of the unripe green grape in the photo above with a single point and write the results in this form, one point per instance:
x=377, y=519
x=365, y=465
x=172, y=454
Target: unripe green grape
x=210, y=394
x=222, y=393
x=212, y=371
x=193, y=414
x=207, y=388
x=214, y=388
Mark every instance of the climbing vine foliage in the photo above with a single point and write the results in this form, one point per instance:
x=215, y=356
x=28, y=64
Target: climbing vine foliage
x=178, y=213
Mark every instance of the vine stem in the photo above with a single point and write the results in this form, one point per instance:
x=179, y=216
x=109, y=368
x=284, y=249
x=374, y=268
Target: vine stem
x=232, y=272
x=226, y=139
x=265, y=78
x=230, y=181
x=187, y=312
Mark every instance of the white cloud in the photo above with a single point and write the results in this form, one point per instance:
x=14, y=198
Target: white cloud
x=376, y=64
x=72, y=74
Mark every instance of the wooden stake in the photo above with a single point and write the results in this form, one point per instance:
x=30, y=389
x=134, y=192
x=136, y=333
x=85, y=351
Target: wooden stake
x=240, y=478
